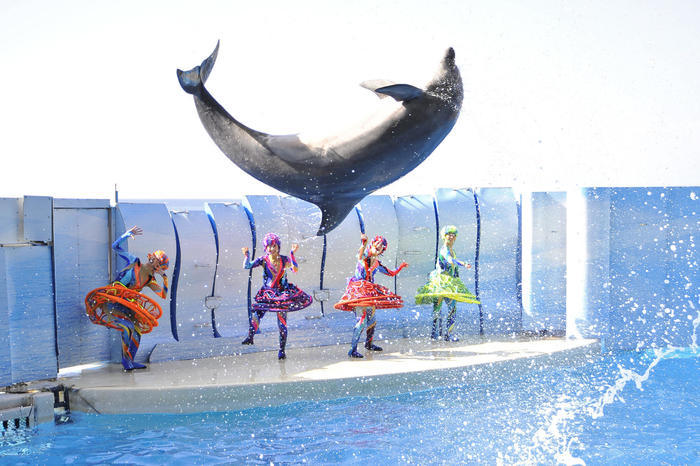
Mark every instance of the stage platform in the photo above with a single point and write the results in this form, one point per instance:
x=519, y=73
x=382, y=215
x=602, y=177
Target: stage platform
x=258, y=379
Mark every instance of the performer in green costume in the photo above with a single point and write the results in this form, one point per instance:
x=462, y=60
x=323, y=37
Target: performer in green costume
x=444, y=285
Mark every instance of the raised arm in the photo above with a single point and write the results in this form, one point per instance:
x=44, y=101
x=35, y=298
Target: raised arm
x=123, y=253
x=363, y=246
x=292, y=260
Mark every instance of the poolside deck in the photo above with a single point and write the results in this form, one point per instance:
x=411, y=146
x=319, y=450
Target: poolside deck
x=314, y=373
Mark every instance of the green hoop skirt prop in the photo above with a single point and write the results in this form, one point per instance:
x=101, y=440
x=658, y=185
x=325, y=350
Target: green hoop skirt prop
x=443, y=285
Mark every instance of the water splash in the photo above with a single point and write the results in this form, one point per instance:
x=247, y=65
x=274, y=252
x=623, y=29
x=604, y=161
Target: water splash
x=551, y=440
x=696, y=324
x=555, y=439
x=596, y=409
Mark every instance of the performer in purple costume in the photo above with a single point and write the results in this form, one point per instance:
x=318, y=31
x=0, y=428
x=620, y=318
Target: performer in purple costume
x=277, y=294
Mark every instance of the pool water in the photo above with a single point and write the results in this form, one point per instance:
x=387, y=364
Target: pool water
x=607, y=412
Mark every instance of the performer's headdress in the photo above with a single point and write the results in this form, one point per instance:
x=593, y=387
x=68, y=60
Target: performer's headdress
x=271, y=238
x=382, y=240
x=161, y=259
x=447, y=229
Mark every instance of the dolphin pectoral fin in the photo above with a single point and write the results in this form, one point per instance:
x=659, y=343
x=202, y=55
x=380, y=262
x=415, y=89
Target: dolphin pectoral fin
x=375, y=84
x=333, y=214
x=400, y=92
x=191, y=80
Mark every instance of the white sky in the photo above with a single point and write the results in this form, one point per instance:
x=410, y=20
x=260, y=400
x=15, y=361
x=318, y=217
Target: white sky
x=557, y=93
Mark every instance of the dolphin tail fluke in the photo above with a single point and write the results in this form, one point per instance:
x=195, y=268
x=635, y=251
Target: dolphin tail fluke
x=333, y=215
x=192, y=80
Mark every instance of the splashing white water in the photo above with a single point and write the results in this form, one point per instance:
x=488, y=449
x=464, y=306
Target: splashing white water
x=595, y=410
x=694, y=337
x=555, y=440
x=551, y=440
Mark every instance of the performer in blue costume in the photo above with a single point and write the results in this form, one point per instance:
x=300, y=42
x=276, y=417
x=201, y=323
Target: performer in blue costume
x=118, y=308
x=277, y=294
x=445, y=285
x=366, y=295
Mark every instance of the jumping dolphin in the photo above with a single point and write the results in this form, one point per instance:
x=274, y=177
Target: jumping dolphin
x=337, y=172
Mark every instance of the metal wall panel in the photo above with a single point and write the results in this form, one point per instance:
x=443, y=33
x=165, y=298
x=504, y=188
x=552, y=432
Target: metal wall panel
x=498, y=260
x=683, y=270
x=638, y=241
x=30, y=298
x=544, y=307
x=9, y=220
x=197, y=264
x=67, y=203
x=81, y=264
x=341, y=259
x=5, y=353
x=158, y=233
x=641, y=268
x=417, y=240
x=342, y=245
x=457, y=207
x=36, y=218
x=589, y=290
x=231, y=286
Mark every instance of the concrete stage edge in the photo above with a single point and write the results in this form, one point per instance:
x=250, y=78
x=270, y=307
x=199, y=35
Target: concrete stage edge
x=314, y=374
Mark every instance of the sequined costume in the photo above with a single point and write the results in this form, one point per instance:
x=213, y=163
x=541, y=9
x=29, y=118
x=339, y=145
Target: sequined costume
x=112, y=314
x=361, y=292
x=445, y=285
x=277, y=294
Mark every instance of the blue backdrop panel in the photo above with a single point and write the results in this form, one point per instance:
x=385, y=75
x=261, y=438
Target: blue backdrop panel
x=158, y=233
x=379, y=218
x=30, y=301
x=81, y=264
x=269, y=217
x=342, y=245
x=590, y=317
x=9, y=220
x=36, y=218
x=303, y=219
x=5, y=353
x=498, y=260
x=638, y=245
x=547, y=300
x=197, y=264
x=683, y=208
x=341, y=259
x=234, y=232
x=417, y=238
x=457, y=207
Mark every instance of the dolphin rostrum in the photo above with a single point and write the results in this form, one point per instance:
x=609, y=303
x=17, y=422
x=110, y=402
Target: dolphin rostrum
x=338, y=171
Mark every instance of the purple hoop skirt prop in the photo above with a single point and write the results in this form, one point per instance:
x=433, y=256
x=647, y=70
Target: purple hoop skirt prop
x=289, y=299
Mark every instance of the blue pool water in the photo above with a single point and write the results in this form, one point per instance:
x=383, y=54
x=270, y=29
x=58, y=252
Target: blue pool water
x=630, y=408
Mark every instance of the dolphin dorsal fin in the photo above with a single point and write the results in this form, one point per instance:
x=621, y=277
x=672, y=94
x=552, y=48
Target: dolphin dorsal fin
x=374, y=84
x=400, y=92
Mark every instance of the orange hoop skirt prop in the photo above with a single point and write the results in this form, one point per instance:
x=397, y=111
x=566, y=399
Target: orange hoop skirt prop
x=363, y=293
x=142, y=310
